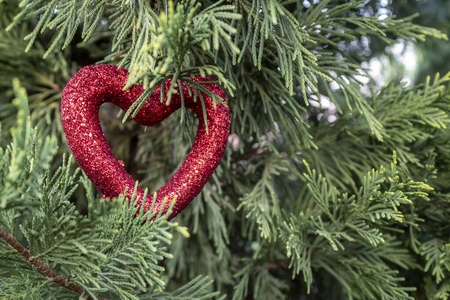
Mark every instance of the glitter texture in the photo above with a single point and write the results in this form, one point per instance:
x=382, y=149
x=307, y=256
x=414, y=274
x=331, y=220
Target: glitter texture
x=94, y=85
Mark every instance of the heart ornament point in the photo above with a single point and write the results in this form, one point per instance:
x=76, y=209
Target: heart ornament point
x=94, y=85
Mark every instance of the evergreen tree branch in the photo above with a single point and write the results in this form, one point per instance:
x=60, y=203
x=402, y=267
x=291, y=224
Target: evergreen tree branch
x=42, y=267
x=294, y=73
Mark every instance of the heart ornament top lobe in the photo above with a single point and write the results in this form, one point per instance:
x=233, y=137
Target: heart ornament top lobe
x=94, y=85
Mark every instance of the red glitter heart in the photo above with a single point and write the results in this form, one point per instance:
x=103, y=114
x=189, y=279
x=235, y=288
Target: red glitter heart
x=94, y=85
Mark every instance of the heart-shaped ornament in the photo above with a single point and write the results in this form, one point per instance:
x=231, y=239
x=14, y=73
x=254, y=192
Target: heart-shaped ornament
x=94, y=85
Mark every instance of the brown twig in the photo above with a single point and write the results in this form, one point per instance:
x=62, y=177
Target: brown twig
x=121, y=52
x=43, y=268
x=250, y=155
x=51, y=84
x=286, y=148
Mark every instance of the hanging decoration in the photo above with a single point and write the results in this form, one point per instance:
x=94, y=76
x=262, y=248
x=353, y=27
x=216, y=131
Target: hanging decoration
x=94, y=85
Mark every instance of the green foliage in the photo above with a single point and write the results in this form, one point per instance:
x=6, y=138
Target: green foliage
x=343, y=235
x=263, y=203
x=193, y=290
x=24, y=160
x=409, y=117
x=370, y=212
x=308, y=202
x=114, y=250
x=44, y=81
x=174, y=44
x=171, y=39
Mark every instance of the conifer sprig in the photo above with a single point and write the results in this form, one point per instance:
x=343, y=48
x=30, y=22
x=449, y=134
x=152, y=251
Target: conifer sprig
x=112, y=251
x=266, y=225
x=171, y=41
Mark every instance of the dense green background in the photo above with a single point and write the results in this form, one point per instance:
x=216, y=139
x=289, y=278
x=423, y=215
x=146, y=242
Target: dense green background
x=267, y=226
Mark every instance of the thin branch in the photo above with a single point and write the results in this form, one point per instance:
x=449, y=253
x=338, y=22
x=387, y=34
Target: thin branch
x=51, y=84
x=284, y=148
x=250, y=155
x=43, y=268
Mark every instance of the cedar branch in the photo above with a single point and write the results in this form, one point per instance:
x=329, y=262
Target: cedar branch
x=43, y=268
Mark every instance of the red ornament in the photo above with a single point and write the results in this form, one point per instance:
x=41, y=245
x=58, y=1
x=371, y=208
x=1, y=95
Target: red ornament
x=94, y=85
